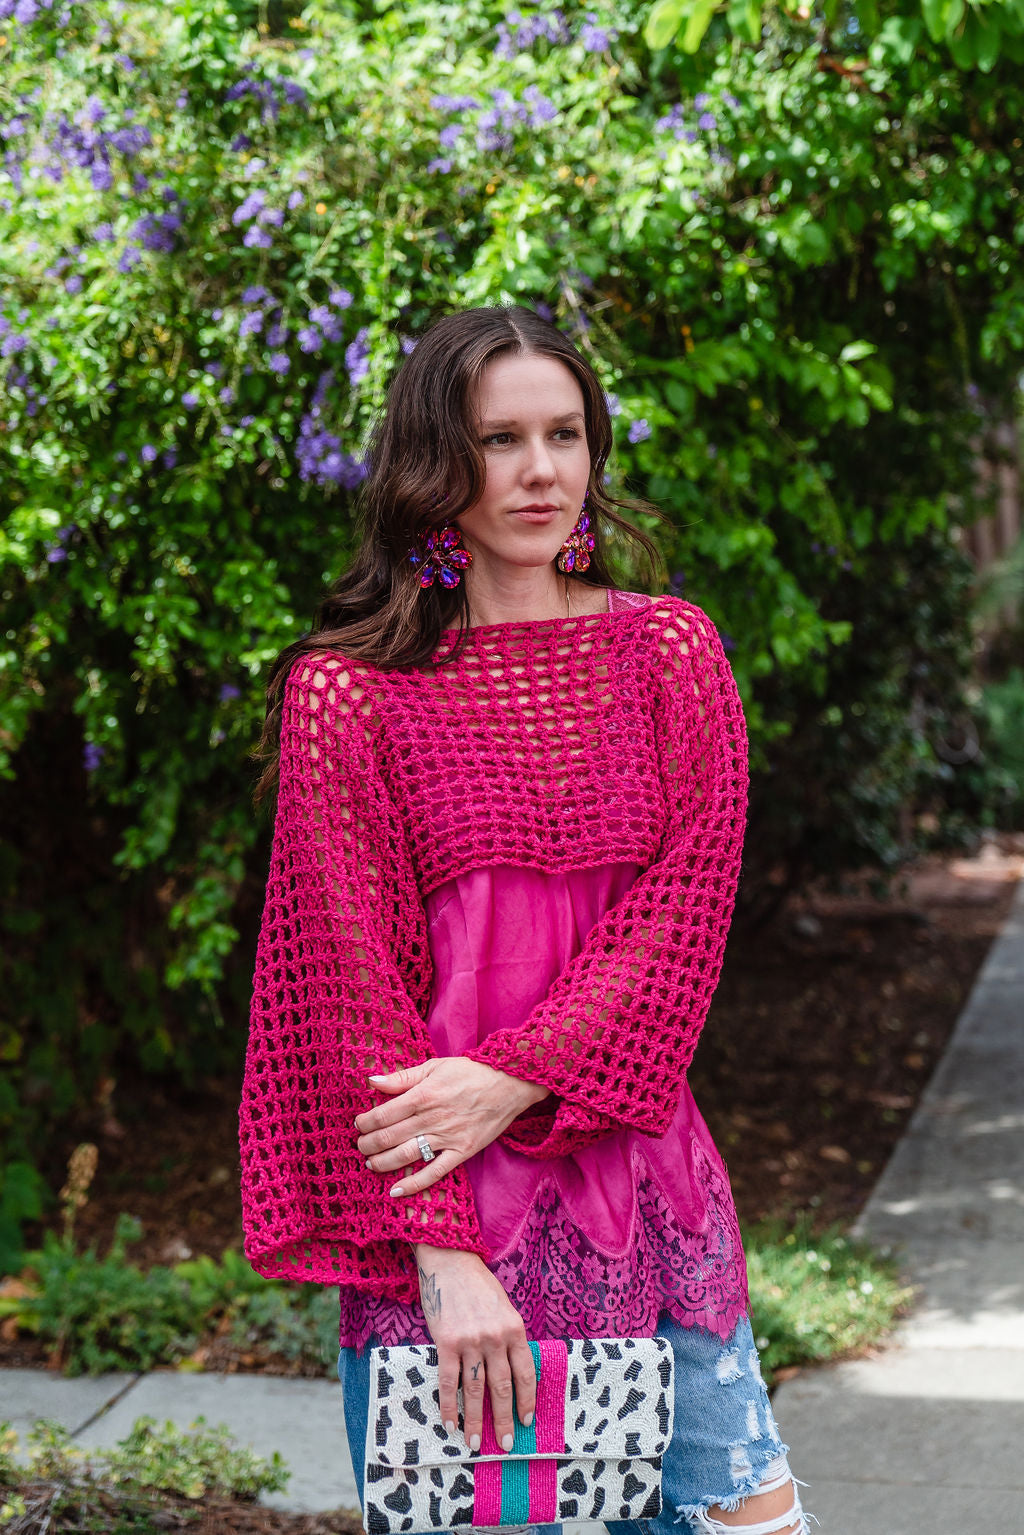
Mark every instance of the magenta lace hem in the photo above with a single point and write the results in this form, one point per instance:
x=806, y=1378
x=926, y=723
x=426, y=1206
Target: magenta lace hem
x=565, y=1287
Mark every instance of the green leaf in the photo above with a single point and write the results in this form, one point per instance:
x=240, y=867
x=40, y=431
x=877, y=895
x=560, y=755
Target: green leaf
x=853, y=351
x=664, y=22
x=697, y=24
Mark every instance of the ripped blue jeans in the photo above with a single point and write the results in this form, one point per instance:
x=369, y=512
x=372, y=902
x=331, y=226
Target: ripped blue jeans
x=725, y=1443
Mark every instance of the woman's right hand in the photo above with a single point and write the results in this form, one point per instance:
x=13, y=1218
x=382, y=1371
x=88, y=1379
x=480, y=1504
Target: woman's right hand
x=480, y=1335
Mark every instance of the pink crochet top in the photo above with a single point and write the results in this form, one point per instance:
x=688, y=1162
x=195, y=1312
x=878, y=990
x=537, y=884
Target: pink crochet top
x=553, y=746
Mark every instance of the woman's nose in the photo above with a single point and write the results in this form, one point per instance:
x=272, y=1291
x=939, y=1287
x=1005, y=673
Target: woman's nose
x=539, y=463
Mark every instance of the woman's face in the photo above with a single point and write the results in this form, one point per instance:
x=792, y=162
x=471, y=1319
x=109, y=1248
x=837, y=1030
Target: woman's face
x=530, y=423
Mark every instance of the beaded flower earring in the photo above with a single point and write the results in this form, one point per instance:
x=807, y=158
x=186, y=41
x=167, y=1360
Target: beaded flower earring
x=575, y=552
x=439, y=553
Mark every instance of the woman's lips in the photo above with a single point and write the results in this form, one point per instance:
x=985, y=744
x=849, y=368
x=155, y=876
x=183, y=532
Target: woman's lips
x=535, y=513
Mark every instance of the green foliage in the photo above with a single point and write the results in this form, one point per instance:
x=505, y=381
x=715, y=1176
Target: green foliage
x=108, y=1314
x=976, y=32
x=795, y=259
x=816, y=1297
x=65, y=1488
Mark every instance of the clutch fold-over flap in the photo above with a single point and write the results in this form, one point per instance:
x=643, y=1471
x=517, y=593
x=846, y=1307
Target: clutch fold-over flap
x=597, y=1399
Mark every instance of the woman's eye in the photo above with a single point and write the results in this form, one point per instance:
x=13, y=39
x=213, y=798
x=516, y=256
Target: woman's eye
x=568, y=432
x=496, y=439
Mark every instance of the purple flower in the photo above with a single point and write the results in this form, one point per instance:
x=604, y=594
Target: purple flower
x=129, y=259
x=147, y=453
x=295, y=200
x=246, y=420
x=156, y=231
x=251, y=323
x=250, y=208
x=701, y=100
x=74, y=284
x=728, y=643
x=55, y=556
x=596, y=39
x=449, y=136
x=408, y=345
x=613, y=404
x=310, y=339
x=256, y=238
x=439, y=166
x=730, y=100
x=255, y=294
x=279, y=363
x=101, y=176
x=169, y=458
x=319, y=452
x=239, y=142
x=228, y=691
x=545, y=312
x=226, y=396
x=103, y=234
x=214, y=369
x=639, y=431
x=190, y=399
x=216, y=314
x=277, y=335
x=357, y=357
x=92, y=756
x=455, y=103
x=707, y=121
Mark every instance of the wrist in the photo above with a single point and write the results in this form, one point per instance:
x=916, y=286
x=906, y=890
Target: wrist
x=525, y=1093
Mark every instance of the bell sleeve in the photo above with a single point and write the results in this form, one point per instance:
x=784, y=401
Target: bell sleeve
x=341, y=989
x=614, y=1035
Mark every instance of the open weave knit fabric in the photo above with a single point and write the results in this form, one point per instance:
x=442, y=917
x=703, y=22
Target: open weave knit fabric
x=557, y=744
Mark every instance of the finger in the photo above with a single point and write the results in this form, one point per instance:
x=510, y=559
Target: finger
x=408, y=1154
x=389, y=1137
x=524, y=1373
x=392, y=1112
x=448, y=1386
x=401, y=1080
x=474, y=1380
x=499, y=1384
x=426, y=1176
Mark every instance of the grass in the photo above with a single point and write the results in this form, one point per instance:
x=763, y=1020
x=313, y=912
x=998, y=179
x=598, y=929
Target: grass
x=817, y=1296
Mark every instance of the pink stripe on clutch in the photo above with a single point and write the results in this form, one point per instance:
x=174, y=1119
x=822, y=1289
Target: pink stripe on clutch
x=487, y=1492
x=554, y=1370
x=543, y=1492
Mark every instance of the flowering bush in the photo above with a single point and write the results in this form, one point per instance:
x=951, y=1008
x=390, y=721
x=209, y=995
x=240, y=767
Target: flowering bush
x=793, y=260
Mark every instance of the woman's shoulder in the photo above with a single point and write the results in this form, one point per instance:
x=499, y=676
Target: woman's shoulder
x=677, y=627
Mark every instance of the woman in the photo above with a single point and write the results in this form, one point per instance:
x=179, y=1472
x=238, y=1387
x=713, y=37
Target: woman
x=508, y=833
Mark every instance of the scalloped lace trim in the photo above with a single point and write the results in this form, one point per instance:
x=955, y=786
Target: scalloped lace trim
x=565, y=1287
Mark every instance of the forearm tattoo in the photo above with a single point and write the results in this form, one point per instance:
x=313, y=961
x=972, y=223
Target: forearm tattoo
x=430, y=1293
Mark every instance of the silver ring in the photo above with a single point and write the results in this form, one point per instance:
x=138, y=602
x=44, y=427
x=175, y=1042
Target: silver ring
x=426, y=1150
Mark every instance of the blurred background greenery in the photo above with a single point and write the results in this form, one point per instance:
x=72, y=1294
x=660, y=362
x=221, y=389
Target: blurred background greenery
x=788, y=237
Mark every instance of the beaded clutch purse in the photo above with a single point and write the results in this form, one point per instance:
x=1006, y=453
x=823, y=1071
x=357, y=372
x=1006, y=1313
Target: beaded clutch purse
x=602, y=1423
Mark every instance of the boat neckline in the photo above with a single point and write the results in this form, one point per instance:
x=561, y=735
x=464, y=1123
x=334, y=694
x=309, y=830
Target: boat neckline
x=543, y=623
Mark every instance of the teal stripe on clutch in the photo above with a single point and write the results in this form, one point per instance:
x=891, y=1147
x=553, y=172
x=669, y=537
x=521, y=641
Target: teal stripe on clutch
x=515, y=1474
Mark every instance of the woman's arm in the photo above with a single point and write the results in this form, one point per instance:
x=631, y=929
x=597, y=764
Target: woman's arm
x=341, y=989
x=616, y=1032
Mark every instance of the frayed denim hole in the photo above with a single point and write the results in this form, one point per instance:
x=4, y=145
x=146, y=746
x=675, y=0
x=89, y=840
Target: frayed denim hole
x=740, y=1467
x=728, y=1367
x=753, y=1422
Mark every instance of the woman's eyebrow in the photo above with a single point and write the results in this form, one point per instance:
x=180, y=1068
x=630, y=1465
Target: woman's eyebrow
x=503, y=426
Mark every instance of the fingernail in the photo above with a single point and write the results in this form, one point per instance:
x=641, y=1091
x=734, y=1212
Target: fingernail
x=396, y=1191
x=450, y=1426
x=507, y=1442
x=377, y=1078
x=528, y=1420
x=474, y=1443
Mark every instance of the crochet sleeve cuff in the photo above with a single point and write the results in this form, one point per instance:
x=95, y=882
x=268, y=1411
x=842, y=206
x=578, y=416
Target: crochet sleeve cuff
x=341, y=989
x=618, y=1028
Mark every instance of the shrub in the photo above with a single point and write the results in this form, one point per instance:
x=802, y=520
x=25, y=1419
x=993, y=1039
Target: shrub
x=795, y=259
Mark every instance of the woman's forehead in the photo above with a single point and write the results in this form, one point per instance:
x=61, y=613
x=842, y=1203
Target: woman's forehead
x=527, y=385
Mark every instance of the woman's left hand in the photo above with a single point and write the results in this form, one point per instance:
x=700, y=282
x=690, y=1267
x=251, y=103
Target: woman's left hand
x=460, y=1107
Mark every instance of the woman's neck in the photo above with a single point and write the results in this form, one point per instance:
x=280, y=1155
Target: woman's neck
x=537, y=595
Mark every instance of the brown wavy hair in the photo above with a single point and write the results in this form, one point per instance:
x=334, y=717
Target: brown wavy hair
x=426, y=468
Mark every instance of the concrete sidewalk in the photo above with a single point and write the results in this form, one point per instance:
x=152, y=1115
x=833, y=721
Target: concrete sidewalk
x=925, y=1439
x=922, y=1440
